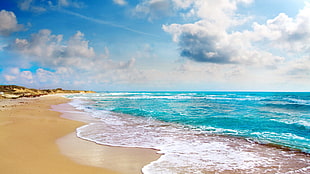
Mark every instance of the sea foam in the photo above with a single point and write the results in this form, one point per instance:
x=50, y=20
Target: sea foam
x=184, y=148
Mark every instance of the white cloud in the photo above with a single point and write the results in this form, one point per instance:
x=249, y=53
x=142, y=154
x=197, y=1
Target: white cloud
x=25, y=5
x=42, y=46
x=68, y=61
x=120, y=2
x=39, y=6
x=275, y=53
x=207, y=40
x=221, y=13
x=27, y=75
x=283, y=32
x=78, y=47
x=8, y=23
x=211, y=38
x=48, y=49
x=70, y=3
x=40, y=78
x=154, y=9
x=9, y=78
x=29, y=5
x=64, y=3
x=182, y=4
x=205, y=43
x=44, y=76
x=14, y=71
x=298, y=69
x=15, y=75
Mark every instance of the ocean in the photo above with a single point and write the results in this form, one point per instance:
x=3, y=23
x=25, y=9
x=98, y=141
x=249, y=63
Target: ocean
x=204, y=132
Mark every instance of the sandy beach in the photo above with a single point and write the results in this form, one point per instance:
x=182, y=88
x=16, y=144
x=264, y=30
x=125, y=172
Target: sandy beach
x=34, y=139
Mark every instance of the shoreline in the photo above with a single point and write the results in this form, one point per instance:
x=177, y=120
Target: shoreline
x=124, y=160
x=184, y=148
x=29, y=133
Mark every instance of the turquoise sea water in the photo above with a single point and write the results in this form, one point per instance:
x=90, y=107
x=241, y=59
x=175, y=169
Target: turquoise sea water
x=222, y=131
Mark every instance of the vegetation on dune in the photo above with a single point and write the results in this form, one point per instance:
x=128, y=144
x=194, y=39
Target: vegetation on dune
x=14, y=91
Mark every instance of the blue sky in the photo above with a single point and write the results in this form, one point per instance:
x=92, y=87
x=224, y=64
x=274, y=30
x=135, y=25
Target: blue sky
x=156, y=44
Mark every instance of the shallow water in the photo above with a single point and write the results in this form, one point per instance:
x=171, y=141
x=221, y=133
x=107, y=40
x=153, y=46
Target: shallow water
x=205, y=132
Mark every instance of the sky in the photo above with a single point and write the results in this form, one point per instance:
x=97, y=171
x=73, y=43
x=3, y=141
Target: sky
x=141, y=45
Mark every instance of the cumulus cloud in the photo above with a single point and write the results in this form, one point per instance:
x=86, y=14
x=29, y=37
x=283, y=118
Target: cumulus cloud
x=275, y=51
x=78, y=47
x=298, y=69
x=44, y=76
x=67, y=61
x=29, y=5
x=120, y=2
x=40, y=78
x=38, y=6
x=203, y=42
x=286, y=33
x=70, y=3
x=221, y=13
x=49, y=49
x=212, y=38
x=8, y=23
x=154, y=9
x=207, y=40
x=15, y=75
x=200, y=44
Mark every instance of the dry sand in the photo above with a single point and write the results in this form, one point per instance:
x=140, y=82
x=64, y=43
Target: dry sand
x=29, y=131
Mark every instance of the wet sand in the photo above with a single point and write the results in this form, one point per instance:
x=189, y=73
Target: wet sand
x=30, y=138
x=125, y=160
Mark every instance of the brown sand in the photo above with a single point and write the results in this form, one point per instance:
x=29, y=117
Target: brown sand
x=28, y=135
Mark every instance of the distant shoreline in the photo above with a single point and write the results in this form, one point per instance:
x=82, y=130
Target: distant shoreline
x=14, y=91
